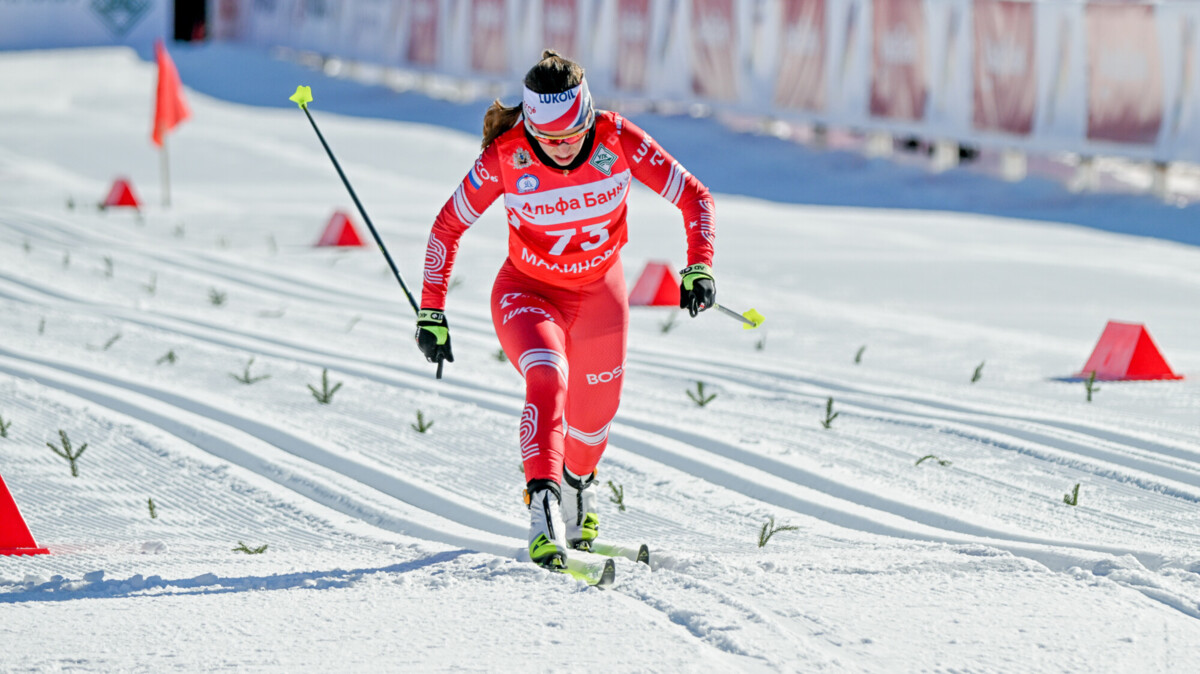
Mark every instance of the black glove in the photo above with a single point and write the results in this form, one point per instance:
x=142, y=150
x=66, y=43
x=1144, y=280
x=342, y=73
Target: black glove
x=698, y=291
x=433, y=336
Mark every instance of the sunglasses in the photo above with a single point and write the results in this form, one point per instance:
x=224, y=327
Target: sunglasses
x=563, y=140
x=555, y=141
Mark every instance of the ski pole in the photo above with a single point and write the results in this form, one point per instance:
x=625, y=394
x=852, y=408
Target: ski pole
x=302, y=98
x=750, y=319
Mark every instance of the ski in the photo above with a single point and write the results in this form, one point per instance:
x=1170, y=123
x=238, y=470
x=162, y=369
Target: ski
x=639, y=554
x=596, y=575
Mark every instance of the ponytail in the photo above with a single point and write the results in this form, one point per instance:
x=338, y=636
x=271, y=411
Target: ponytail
x=498, y=119
x=552, y=74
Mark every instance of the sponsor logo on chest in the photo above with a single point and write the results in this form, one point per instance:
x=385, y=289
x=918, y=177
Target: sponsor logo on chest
x=527, y=183
x=603, y=160
x=574, y=203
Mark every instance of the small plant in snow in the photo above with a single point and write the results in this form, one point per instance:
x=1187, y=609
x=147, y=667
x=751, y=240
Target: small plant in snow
x=66, y=259
x=153, y=510
x=858, y=356
x=325, y=395
x=618, y=495
x=4, y=426
x=761, y=343
x=245, y=376
x=108, y=266
x=698, y=397
x=1090, y=385
x=42, y=327
x=500, y=356
x=250, y=551
x=421, y=426
x=152, y=286
x=216, y=297
x=1072, y=499
x=769, y=529
x=978, y=373
x=669, y=324
x=940, y=462
x=168, y=357
x=67, y=453
x=830, y=415
x=28, y=248
x=107, y=345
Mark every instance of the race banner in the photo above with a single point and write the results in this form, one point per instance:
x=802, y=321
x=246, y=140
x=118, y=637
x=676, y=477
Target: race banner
x=899, y=80
x=489, y=46
x=1125, y=79
x=560, y=19
x=1005, y=66
x=633, y=44
x=800, y=83
x=45, y=24
x=714, y=50
x=422, y=33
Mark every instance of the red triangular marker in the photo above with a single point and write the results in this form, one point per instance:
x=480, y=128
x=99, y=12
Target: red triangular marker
x=15, y=538
x=658, y=286
x=169, y=106
x=121, y=194
x=340, y=232
x=1126, y=352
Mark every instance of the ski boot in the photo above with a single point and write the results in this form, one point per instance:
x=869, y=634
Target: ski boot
x=579, y=510
x=546, y=547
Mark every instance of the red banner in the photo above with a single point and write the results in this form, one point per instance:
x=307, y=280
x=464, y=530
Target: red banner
x=633, y=44
x=898, y=77
x=1005, y=66
x=1125, y=79
x=423, y=32
x=714, y=49
x=559, y=21
x=801, y=80
x=489, y=52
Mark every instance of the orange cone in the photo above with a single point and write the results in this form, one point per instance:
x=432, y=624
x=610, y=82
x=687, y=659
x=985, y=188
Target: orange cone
x=658, y=286
x=340, y=232
x=1125, y=352
x=15, y=538
x=121, y=194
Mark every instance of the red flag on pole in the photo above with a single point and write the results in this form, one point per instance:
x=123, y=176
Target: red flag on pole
x=169, y=109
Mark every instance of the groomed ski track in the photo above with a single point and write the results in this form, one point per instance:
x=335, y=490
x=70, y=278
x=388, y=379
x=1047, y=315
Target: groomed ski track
x=698, y=482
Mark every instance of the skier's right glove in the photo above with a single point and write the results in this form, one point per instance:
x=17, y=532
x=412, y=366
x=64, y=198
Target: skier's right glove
x=698, y=290
x=433, y=335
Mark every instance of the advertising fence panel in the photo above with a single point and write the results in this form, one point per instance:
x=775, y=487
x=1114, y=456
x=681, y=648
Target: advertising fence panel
x=1005, y=66
x=800, y=83
x=1125, y=83
x=714, y=50
x=898, y=60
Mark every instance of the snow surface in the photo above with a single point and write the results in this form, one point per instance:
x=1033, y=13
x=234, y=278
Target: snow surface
x=389, y=549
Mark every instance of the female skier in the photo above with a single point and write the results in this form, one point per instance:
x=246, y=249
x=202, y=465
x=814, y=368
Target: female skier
x=559, y=302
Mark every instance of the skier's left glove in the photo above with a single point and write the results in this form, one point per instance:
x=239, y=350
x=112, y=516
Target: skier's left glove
x=698, y=291
x=433, y=335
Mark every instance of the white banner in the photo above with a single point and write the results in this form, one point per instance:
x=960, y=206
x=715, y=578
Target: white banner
x=908, y=67
x=51, y=24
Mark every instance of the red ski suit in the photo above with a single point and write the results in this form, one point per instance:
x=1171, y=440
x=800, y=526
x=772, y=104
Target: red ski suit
x=559, y=303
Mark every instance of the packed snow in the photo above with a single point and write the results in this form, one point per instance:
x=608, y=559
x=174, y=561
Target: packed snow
x=180, y=343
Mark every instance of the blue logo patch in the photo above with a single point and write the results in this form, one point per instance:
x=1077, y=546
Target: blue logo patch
x=527, y=183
